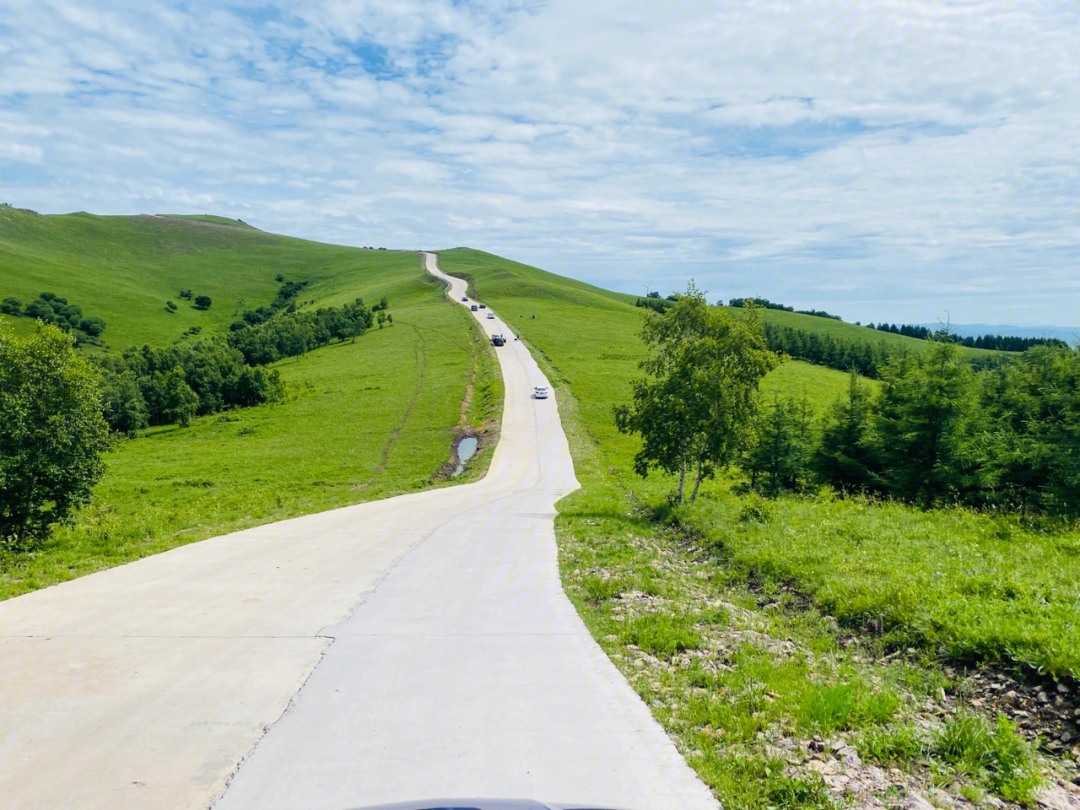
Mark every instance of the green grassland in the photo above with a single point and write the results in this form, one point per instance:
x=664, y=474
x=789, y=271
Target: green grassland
x=124, y=269
x=1018, y=602
x=663, y=598
x=362, y=420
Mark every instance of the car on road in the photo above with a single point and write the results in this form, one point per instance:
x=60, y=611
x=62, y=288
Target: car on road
x=474, y=307
x=464, y=298
x=491, y=316
x=540, y=392
x=483, y=306
x=498, y=340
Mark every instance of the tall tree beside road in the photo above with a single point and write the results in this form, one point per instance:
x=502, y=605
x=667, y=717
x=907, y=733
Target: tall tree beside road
x=52, y=434
x=695, y=409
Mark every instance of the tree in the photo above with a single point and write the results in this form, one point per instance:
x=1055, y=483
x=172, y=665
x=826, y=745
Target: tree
x=694, y=410
x=923, y=425
x=185, y=294
x=170, y=306
x=125, y=408
x=780, y=457
x=52, y=434
x=845, y=457
x=173, y=397
x=202, y=302
x=92, y=326
x=11, y=306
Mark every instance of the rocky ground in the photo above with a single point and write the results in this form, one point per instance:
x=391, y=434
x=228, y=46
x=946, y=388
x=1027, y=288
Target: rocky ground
x=818, y=769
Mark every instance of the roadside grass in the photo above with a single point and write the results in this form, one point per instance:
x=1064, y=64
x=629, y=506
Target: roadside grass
x=970, y=586
x=973, y=586
x=358, y=424
x=774, y=706
x=123, y=269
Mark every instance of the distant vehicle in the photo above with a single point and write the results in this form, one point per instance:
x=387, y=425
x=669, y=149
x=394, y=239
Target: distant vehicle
x=483, y=306
x=474, y=307
x=464, y=298
x=498, y=340
x=540, y=392
x=491, y=316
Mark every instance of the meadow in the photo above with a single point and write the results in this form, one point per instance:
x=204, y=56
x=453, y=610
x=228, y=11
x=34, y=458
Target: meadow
x=124, y=269
x=361, y=420
x=751, y=625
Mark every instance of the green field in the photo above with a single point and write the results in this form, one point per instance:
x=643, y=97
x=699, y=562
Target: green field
x=950, y=583
x=983, y=597
x=361, y=420
x=124, y=269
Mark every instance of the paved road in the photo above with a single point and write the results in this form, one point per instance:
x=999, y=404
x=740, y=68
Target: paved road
x=411, y=647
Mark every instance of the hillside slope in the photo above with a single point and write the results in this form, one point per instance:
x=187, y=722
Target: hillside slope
x=361, y=420
x=124, y=269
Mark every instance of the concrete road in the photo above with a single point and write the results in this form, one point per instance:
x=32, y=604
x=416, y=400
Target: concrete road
x=412, y=647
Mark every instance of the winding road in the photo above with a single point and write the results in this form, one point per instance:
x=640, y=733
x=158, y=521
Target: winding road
x=407, y=648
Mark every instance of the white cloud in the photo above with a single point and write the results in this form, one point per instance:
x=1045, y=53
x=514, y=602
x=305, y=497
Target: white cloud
x=888, y=160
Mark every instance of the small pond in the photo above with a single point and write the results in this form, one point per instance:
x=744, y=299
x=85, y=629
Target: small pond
x=466, y=449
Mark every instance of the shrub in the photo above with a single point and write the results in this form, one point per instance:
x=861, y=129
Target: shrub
x=11, y=306
x=52, y=434
x=92, y=326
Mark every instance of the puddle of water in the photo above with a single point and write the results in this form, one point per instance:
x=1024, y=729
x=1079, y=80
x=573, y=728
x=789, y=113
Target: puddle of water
x=466, y=449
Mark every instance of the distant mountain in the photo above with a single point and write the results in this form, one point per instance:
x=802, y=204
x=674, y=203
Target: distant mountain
x=1070, y=334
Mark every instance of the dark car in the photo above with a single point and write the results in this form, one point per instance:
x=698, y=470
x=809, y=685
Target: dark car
x=474, y=307
x=464, y=298
x=498, y=340
x=483, y=306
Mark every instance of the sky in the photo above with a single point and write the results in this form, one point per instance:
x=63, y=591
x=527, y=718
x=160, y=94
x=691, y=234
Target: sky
x=883, y=160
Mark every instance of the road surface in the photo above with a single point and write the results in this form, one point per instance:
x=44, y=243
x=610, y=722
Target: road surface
x=406, y=648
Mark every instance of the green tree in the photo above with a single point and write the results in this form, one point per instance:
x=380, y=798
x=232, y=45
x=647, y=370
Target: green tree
x=92, y=326
x=924, y=424
x=175, y=400
x=11, y=306
x=845, y=457
x=784, y=440
x=694, y=411
x=52, y=434
x=202, y=302
x=125, y=408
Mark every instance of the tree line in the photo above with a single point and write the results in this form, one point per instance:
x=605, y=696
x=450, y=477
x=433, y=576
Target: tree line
x=52, y=308
x=765, y=303
x=938, y=432
x=999, y=343
x=865, y=356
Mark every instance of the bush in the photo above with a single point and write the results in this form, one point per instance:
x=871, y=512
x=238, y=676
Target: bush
x=11, y=306
x=202, y=302
x=92, y=326
x=52, y=434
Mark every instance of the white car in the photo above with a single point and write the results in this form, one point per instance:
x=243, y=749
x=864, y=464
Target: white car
x=540, y=392
x=491, y=316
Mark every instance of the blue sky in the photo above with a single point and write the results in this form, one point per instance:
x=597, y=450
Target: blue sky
x=891, y=160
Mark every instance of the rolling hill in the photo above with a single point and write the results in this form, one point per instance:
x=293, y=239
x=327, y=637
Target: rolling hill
x=360, y=420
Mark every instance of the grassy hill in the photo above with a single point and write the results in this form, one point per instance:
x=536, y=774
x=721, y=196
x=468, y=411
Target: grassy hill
x=360, y=421
x=753, y=624
x=124, y=269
